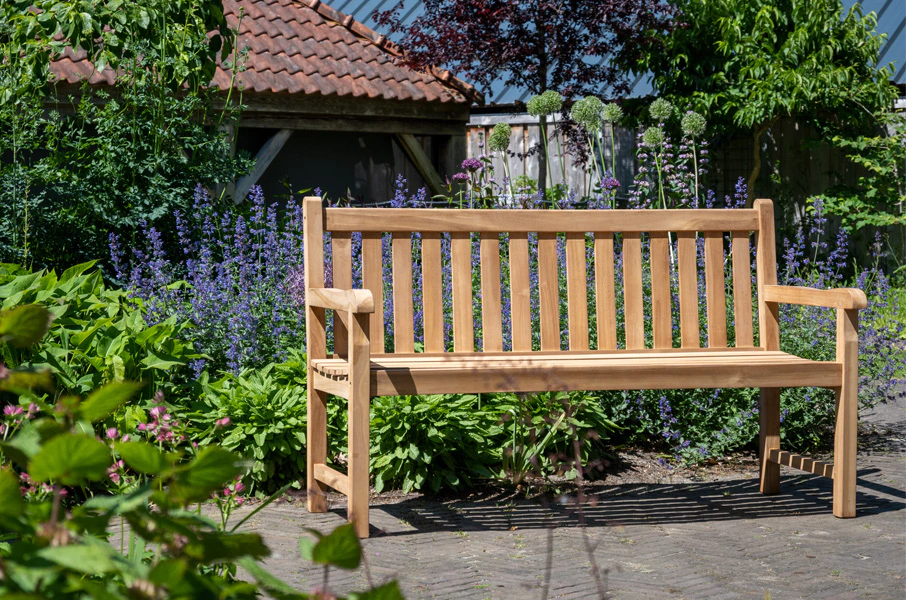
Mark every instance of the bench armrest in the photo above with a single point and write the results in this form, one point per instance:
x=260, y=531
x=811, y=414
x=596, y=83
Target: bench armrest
x=355, y=301
x=845, y=298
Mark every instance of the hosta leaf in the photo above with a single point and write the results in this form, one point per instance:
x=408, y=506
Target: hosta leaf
x=104, y=401
x=25, y=325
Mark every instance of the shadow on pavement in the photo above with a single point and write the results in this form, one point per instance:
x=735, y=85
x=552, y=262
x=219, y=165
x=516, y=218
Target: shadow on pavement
x=641, y=504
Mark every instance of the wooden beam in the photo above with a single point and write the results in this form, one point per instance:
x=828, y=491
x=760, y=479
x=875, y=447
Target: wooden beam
x=803, y=463
x=263, y=160
x=421, y=161
x=332, y=477
x=353, y=124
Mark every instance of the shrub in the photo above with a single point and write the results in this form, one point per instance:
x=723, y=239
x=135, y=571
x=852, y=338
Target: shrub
x=98, y=335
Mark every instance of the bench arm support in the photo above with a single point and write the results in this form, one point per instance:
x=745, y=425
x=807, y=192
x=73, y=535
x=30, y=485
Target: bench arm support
x=845, y=298
x=354, y=301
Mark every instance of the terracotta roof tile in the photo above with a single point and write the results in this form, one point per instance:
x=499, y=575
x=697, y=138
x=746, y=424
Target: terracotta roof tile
x=305, y=46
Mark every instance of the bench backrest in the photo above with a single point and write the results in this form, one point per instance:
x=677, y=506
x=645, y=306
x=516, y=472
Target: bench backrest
x=589, y=239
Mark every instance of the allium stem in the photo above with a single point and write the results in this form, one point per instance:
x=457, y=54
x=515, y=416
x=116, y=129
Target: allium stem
x=547, y=156
x=695, y=169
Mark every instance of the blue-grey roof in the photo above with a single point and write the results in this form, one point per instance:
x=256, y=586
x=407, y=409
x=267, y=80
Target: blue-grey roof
x=891, y=20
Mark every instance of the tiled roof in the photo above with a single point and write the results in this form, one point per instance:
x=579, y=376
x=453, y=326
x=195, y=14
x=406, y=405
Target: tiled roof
x=307, y=47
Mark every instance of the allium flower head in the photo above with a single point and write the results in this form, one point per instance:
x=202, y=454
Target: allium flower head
x=661, y=110
x=499, y=140
x=587, y=113
x=612, y=113
x=693, y=124
x=545, y=104
x=653, y=136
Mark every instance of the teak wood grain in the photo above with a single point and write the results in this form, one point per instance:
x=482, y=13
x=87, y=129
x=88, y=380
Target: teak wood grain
x=360, y=368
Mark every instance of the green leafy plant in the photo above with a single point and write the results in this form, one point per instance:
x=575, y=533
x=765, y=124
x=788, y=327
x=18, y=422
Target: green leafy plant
x=98, y=334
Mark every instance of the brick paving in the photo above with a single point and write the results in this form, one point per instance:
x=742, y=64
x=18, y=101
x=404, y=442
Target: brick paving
x=716, y=539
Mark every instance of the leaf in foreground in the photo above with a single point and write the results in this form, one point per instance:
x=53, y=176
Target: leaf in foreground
x=71, y=460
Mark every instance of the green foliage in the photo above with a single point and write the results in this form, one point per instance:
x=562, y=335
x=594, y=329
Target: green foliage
x=878, y=199
x=55, y=544
x=745, y=63
x=98, y=335
x=80, y=164
x=267, y=414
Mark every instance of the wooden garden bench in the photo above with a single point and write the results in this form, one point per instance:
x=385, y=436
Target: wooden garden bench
x=362, y=367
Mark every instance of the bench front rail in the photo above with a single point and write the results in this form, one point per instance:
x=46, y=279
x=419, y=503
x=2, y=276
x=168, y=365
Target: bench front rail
x=362, y=367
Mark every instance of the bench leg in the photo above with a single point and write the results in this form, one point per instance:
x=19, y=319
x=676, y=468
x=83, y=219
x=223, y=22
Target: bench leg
x=769, y=438
x=316, y=452
x=847, y=415
x=359, y=423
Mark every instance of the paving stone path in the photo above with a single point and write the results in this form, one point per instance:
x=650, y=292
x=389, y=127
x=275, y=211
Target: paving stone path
x=719, y=539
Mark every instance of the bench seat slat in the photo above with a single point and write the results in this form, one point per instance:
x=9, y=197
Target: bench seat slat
x=491, y=322
x=742, y=289
x=549, y=291
x=661, y=319
x=524, y=372
x=520, y=290
x=550, y=221
x=432, y=292
x=605, y=294
x=715, y=294
x=688, y=289
x=403, y=324
x=341, y=243
x=577, y=291
x=373, y=279
x=463, y=320
x=632, y=291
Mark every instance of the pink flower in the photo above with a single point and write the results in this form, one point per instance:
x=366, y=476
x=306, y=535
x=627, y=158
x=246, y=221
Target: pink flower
x=238, y=488
x=111, y=433
x=126, y=438
x=222, y=422
x=10, y=410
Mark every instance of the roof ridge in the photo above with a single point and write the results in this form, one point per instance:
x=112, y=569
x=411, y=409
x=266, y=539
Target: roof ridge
x=387, y=45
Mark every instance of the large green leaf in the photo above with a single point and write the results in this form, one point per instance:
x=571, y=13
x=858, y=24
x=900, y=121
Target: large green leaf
x=25, y=325
x=71, y=459
x=143, y=457
x=216, y=547
x=104, y=401
x=21, y=380
x=10, y=497
x=212, y=468
x=388, y=591
x=272, y=585
x=90, y=559
x=340, y=548
x=24, y=445
x=161, y=360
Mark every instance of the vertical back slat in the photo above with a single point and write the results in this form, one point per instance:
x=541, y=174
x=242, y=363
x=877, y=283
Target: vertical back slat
x=491, y=320
x=661, y=319
x=715, y=293
x=432, y=293
x=742, y=289
x=605, y=296
x=766, y=272
x=632, y=290
x=520, y=289
x=688, y=289
x=373, y=279
x=461, y=259
x=577, y=290
x=403, y=323
x=342, y=278
x=549, y=291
